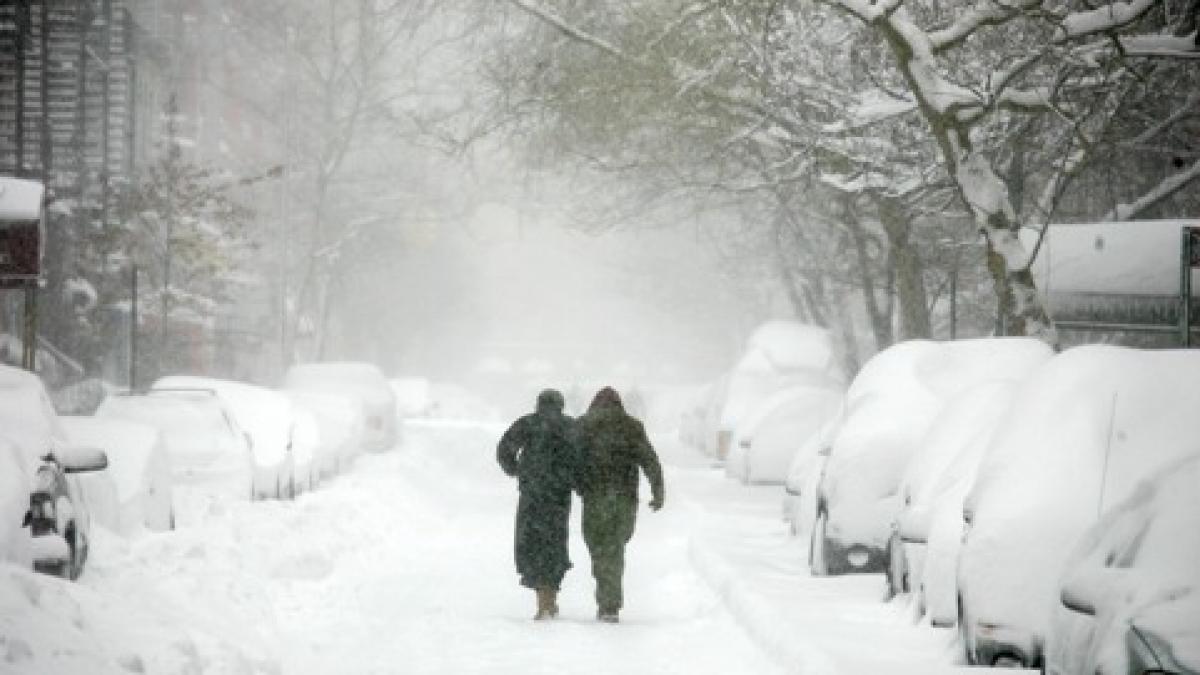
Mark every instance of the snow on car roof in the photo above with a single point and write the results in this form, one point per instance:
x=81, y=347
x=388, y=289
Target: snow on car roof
x=265, y=414
x=789, y=345
x=901, y=390
x=27, y=416
x=1122, y=258
x=20, y=200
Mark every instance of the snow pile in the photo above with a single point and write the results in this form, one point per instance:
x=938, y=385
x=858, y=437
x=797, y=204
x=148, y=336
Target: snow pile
x=449, y=401
x=1081, y=433
x=48, y=625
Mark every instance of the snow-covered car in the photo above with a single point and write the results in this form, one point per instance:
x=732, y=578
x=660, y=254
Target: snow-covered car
x=268, y=420
x=934, y=484
x=15, y=480
x=779, y=355
x=1081, y=432
x=139, y=467
x=767, y=441
x=1130, y=598
x=333, y=425
x=205, y=447
x=362, y=381
x=804, y=474
x=889, y=408
x=412, y=396
x=44, y=467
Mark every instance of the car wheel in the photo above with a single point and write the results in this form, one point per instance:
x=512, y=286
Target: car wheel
x=818, y=562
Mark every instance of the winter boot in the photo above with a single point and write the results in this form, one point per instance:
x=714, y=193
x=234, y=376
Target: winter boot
x=552, y=602
x=607, y=615
x=545, y=604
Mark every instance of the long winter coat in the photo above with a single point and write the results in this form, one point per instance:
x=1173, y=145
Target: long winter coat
x=539, y=450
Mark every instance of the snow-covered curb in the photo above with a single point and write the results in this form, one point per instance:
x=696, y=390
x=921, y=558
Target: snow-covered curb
x=764, y=626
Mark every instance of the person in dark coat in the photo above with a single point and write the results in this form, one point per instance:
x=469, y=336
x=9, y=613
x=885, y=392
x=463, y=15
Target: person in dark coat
x=539, y=450
x=612, y=448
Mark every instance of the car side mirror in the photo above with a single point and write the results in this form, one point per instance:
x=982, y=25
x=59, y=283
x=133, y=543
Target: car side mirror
x=28, y=520
x=1081, y=591
x=914, y=525
x=81, y=459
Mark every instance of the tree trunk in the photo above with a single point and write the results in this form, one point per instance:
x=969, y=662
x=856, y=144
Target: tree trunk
x=909, y=271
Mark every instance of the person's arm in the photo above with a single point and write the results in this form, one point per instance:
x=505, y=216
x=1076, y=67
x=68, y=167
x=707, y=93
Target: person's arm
x=648, y=460
x=508, y=451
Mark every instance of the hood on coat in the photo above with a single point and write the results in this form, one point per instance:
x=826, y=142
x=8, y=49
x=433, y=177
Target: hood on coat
x=550, y=401
x=607, y=399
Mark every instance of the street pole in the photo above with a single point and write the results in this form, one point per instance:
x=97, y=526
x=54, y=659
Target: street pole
x=133, y=328
x=1187, y=258
x=954, y=299
x=29, y=340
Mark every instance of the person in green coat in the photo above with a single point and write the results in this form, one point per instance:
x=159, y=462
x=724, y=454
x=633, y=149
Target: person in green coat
x=539, y=450
x=613, y=446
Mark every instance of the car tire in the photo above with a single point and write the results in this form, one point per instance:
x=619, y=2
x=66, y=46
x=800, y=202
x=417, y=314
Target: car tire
x=818, y=563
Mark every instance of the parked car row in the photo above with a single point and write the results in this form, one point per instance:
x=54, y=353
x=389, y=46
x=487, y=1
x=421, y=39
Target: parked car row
x=122, y=465
x=785, y=384
x=1044, y=504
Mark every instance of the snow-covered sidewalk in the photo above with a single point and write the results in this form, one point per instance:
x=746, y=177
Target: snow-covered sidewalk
x=836, y=625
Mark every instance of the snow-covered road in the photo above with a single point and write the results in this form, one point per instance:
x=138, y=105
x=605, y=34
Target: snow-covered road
x=404, y=565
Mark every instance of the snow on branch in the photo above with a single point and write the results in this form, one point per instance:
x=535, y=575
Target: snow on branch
x=993, y=14
x=1162, y=46
x=1105, y=19
x=872, y=107
x=568, y=29
x=1169, y=186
